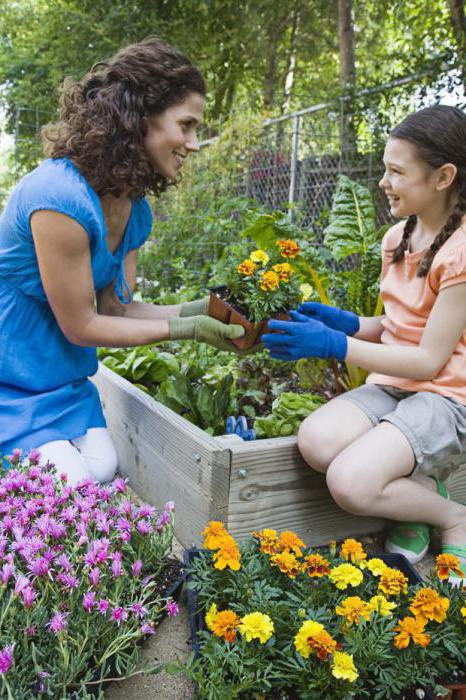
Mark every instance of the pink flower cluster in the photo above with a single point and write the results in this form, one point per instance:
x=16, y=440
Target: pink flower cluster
x=72, y=548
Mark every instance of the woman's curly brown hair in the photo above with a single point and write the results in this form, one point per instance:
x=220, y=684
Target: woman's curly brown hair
x=102, y=117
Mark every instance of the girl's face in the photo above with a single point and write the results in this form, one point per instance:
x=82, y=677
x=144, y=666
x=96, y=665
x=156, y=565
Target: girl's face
x=171, y=136
x=408, y=182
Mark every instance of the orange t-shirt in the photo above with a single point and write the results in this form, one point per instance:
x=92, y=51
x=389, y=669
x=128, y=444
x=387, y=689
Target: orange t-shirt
x=408, y=301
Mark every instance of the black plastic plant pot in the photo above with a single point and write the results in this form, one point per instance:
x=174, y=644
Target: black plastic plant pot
x=173, y=591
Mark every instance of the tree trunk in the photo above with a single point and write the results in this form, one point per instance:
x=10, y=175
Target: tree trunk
x=291, y=67
x=347, y=77
x=273, y=41
x=458, y=20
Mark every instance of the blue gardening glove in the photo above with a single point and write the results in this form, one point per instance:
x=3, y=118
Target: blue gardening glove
x=304, y=337
x=339, y=320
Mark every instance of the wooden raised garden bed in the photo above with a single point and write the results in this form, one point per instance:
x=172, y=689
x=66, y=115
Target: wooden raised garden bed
x=247, y=485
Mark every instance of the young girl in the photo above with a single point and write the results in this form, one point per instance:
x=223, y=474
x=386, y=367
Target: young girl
x=69, y=238
x=384, y=445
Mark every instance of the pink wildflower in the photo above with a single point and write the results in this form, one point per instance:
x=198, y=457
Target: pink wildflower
x=58, y=622
x=116, y=564
x=94, y=576
x=137, y=568
x=163, y=520
x=170, y=506
x=147, y=628
x=118, y=615
x=88, y=601
x=6, y=658
x=34, y=457
x=119, y=485
x=172, y=608
x=103, y=606
x=144, y=527
x=7, y=571
x=138, y=609
x=29, y=595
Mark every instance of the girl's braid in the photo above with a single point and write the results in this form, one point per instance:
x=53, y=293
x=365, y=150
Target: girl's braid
x=449, y=227
x=402, y=247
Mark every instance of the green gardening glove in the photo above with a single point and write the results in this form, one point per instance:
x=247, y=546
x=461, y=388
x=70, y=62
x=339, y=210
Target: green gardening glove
x=198, y=307
x=205, y=330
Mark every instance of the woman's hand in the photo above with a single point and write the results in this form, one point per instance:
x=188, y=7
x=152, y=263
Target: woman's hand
x=198, y=307
x=333, y=317
x=305, y=337
x=206, y=330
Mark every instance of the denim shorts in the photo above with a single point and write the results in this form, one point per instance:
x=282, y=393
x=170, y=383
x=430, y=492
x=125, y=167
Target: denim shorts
x=434, y=425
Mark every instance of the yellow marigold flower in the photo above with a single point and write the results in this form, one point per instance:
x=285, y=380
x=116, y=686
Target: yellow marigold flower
x=288, y=249
x=312, y=638
x=306, y=291
x=290, y=541
x=214, y=534
x=410, y=629
x=225, y=624
x=353, y=551
x=259, y=256
x=270, y=281
x=393, y=582
x=463, y=612
x=379, y=604
x=227, y=555
x=376, y=566
x=428, y=605
x=287, y=563
x=256, y=625
x=247, y=268
x=353, y=609
x=268, y=540
x=345, y=575
x=316, y=565
x=446, y=563
x=284, y=271
x=210, y=616
x=343, y=667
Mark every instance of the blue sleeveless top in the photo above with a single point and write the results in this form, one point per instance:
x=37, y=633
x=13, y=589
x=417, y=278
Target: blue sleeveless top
x=45, y=393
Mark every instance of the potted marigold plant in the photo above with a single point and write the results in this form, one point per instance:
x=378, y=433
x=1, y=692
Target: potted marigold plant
x=276, y=621
x=261, y=286
x=84, y=576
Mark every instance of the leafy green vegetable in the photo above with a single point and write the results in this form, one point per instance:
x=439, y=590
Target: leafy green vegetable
x=288, y=412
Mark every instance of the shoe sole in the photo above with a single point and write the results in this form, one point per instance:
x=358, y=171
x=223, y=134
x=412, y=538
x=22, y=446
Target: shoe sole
x=410, y=556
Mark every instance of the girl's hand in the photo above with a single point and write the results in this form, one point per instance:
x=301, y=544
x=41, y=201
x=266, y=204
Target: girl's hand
x=335, y=318
x=304, y=337
x=198, y=307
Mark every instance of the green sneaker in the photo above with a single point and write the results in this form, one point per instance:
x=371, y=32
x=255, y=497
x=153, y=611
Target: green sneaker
x=412, y=539
x=460, y=552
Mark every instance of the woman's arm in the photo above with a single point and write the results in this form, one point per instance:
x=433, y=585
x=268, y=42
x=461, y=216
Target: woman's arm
x=444, y=328
x=370, y=328
x=63, y=253
x=109, y=304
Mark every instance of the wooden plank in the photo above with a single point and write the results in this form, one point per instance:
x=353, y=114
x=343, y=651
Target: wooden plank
x=272, y=486
x=165, y=457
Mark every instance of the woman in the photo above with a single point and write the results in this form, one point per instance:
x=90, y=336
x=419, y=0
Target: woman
x=69, y=237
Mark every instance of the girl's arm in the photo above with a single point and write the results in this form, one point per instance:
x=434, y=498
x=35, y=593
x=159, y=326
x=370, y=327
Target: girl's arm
x=370, y=328
x=63, y=253
x=444, y=328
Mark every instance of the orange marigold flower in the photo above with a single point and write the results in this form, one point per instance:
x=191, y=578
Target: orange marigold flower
x=268, y=540
x=353, y=609
x=410, y=629
x=227, y=555
x=316, y=565
x=214, y=534
x=393, y=582
x=289, y=249
x=353, y=551
x=287, y=563
x=290, y=541
x=446, y=563
x=284, y=271
x=247, y=267
x=428, y=605
x=225, y=624
x=322, y=644
x=270, y=281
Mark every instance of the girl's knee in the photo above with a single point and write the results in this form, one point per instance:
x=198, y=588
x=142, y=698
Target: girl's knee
x=349, y=489
x=315, y=441
x=99, y=453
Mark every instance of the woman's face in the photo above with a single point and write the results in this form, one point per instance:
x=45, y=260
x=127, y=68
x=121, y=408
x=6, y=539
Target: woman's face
x=171, y=136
